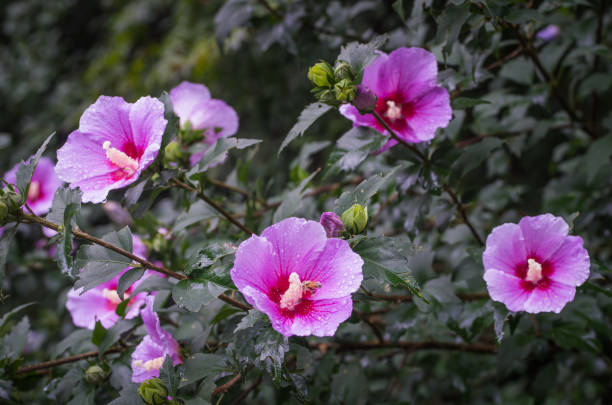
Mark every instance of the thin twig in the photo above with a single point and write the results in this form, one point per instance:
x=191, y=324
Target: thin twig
x=66, y=360
x=225, y=387
x=512, y=55
x=213, y=204
x=398, y=139
x=236, y=190
x=463, y=214
x=246, y=392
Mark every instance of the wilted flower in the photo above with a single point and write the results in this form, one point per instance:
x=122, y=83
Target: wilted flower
x=332, y=224
x=100, y=303
x=197, y=110
x=549, y=33
x=149, y=355
x=534, y=266
x=408, y=97
x=297, y=276
x=115, y=142
x=42, y=187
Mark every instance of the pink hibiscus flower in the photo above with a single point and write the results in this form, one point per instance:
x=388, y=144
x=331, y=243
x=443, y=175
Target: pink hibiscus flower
x=534, y=266
x=115, y=142
x=297, y=276
x=149, y=355
x=192, y=104
x=42, y=187
x=332, y=224
x=100, y=303
x=408, y=97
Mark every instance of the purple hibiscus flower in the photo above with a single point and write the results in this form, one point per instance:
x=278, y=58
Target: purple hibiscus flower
x=194, y=107
x=149, y=355
x=534, y=266
x=408, y=97
x=42, y=187
x=297, y=276
x=115, y=142
x=549, y=33
x=332, y=223
x=100, y=303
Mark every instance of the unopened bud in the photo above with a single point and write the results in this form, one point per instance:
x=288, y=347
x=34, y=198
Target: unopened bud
x=13, y=201
x=95, y=375
x=321, y=74
x=332, y=223
x=344, y=71
x=365, y=100
x=153, y=392
x=4, y=213
x=345, y=90
x=355, y=219
x=173, y=152
x=327, y=97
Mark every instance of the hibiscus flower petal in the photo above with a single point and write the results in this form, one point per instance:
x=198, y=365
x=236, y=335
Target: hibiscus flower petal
x=323, y=318
x=186, y=97
x=505, y=249
x=108, y=119
x=506, y=288
x=551, y=298
x=571, y=262
x=543, y=235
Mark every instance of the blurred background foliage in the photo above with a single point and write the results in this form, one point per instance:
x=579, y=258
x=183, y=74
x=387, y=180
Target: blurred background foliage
x=531, y=133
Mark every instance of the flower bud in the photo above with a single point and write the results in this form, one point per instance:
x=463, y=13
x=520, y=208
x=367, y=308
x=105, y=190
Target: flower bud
x=173, y=153
x=153, y=392
x=345, y=90
x=95, y=375
x=321, y=74
x=13, y=201
x=344, y=71
x=355, y=219
x=4, y=213
x=365, y=100
x=332, y=223
x=327, y=97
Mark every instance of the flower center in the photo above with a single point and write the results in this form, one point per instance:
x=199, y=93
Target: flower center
x=296, y=290
x=534, y=271
x=34, y=191
x=153, y=364
x=394, y=110
x=113, y=297
x=120, y=159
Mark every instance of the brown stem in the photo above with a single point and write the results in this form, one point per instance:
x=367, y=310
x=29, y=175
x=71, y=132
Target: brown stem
x=66, y=360
x=246, y=392
x=463, y=214
x=410, y=346
x=145, y=263
x=512, y=55
x=213, y=204
x=236, y=190
x=225, y=387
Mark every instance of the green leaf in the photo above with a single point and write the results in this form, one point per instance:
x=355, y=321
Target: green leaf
x=101, y=264
x=170, y=376
x=461, y=103
x=307, y=117
x=353, y=148
x=384, y=261
x=232, y=14
x=449, y=24
x=217, y=153
x=398, y=7
x=192, y=294
x=114, y=333
x=172, y=127
x=127, y=279
x=249, y=320
x=364, y=191
x=292, y=201
x=361, y=55
x=203, y=365
x=5, y=244
x=500, y=317
x=14, y=342
x=26, y=170
x=66, y=204
x=4, y=325
x=598, y=156
x=98, y=333
x=474, y=155
x=128, y=396
x=519, y=15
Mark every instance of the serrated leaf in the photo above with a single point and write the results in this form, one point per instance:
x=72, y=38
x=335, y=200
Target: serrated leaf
x=364, y=191
x=170, y=376
x=14, y=342
x=217, y=153
x=598, y=156
x=292, y=200
x=101, y=264
x=352, y=148
x=128, y=396
x=361, y=55
x=232, y=14
x=98, y=333
x=5, y=244
x=66, y=204
x=114, y=333
x=10, y=315
x=26, y=170
x=203, y=365
x=172, y=127
x=449, y=24
x=249, y=320
x=500, y=317
x=192, y=294
x=461, y=103
x=307, y=117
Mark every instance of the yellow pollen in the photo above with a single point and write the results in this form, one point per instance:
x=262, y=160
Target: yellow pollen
x=534, y=272
x=394, y=110
x=34, y=190
x=120, y=159
x=112, y=295
x=154, y=364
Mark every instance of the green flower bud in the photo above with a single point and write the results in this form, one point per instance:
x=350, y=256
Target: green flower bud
x=355, y=219
x=173, y=152
x=95, y=375
x=327, y=97
x=344, y=71
x=345, y=90
x=12, y=201
x=321, y=74
x=4, y=213
x=153, y=392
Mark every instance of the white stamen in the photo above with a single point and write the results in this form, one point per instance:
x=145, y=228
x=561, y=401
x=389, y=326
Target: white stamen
x=394, y=110
x=34, y=190
x=293, y=295
x=534, y=272
x=112, y=295
x=120, y=159
x=154, y=364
